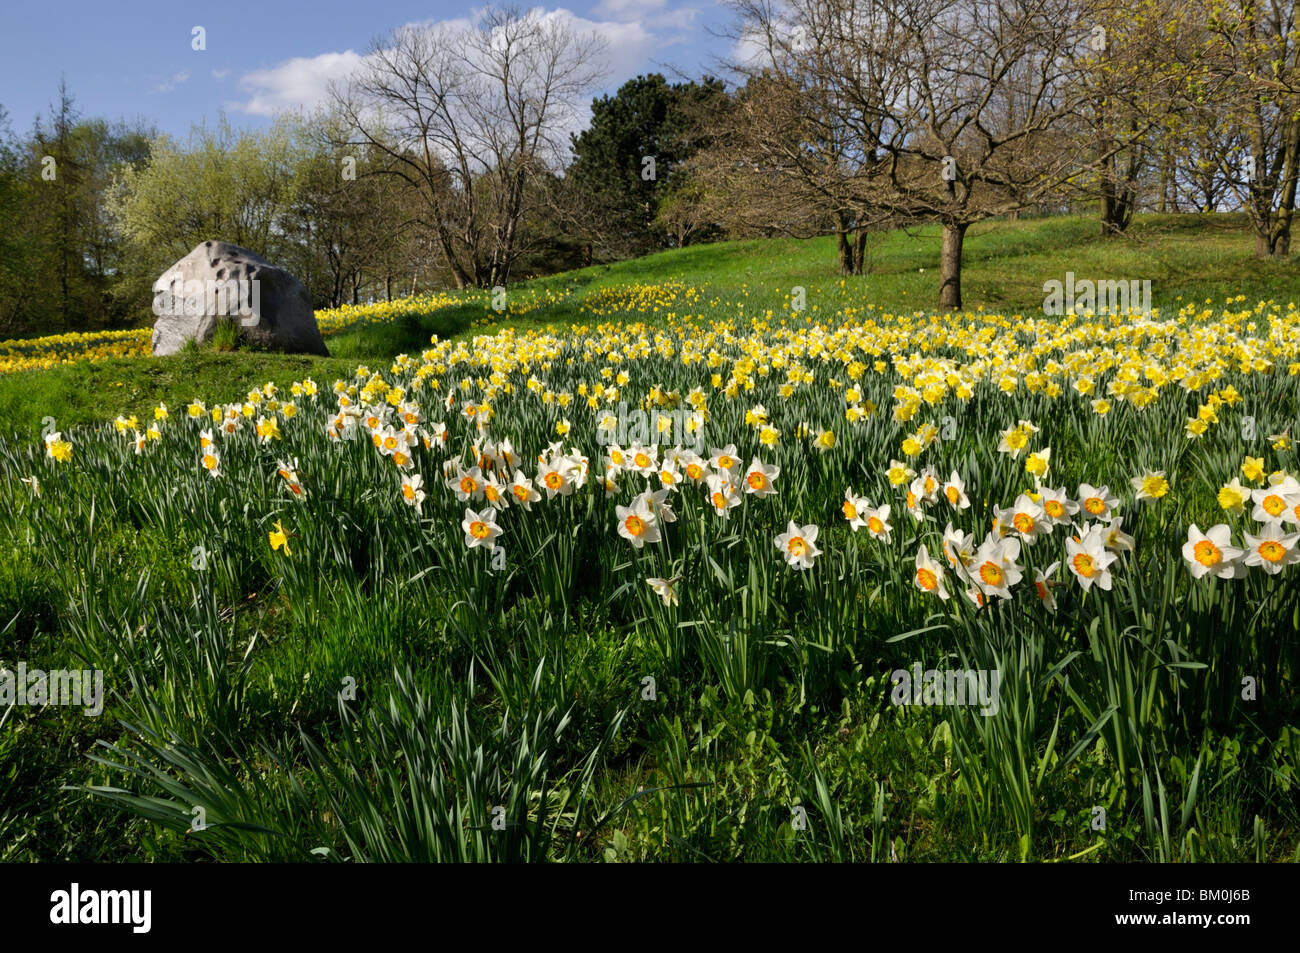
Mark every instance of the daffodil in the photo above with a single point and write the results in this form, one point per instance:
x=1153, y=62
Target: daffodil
x=466, y=484
x=636, y=523
x=1252, y=468
x=1097, y=502
x=954, y=491
x=798, y=545
x=724, y=459
x=927, y=485
x=694, y=466
x=57, y=448
x=1089, y=560
x=854, y=509
x=959, y=551
x=723, y=493
x=1275, y=502
x=665, y=589
x=877, y=522
x=929, y=575
x=1028, y=519
x=760, y=478
x=899, y=473
x=1015, y=440
x=279, y=538
x=412, y=491
x=657, y=502
x=1212, y=553
x=1039, y=463
x=643, y=460
x=523, y=491
x=1043, y=585
x=268, y=429
x=1150, y=485
x=1271, y=549
x=481, y=529
x=1058, y=508
x=993, y=568
x=495, y=493
x=914, y=500
x=1116, y=540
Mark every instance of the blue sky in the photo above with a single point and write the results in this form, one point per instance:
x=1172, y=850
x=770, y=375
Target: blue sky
x=134, y=58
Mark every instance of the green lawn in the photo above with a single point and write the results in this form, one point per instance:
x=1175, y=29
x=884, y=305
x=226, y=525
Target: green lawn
x=336, y=674
x=1187, y=258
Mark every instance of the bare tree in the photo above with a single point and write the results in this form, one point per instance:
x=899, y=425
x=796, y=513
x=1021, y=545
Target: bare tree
x=1254, y=54
x=469, y=117
x=947, y=111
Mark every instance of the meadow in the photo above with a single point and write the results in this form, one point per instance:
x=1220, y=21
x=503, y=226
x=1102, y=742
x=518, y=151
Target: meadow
x=628, y=570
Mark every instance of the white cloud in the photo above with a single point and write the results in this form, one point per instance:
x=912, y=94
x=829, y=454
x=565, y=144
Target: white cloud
x=220, y=73
x=683, y=18
x=624, y=10
x=167, y=85
x=302, y=82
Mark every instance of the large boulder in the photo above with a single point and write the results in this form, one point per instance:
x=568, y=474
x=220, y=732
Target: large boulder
x=221, y=282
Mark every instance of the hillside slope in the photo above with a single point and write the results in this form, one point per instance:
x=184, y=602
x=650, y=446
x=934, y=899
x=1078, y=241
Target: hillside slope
x=1189, y=259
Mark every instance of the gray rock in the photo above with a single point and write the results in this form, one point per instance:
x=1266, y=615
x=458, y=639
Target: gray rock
x=222, y=282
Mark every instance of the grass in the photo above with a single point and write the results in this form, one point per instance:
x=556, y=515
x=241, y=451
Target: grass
x=375, y=690
x=1187, y=258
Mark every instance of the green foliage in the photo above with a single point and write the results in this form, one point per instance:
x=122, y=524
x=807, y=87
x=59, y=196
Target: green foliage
x=62, y=264
x=616, y=193
x=379, y=692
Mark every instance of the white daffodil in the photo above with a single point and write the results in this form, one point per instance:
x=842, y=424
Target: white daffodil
x=636, y=523
x=760, y=477
x=954, y=491
x=798, y=544
x=1212, y=553
x=1271, y=549
x=480, y=528
x=1089, y=560
x=994, y=567
x=412, y=491
x=929, y=575
x=665, y=589
x=855, y=509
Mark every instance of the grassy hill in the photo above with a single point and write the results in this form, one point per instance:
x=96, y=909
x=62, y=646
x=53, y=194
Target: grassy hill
x=372, y=635
x=1200, y=259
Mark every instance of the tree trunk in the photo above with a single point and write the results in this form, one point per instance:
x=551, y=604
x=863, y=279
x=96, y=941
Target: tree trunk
x=843, y=247
x=950, y=265
x=1281, y=235
x=860, y=250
